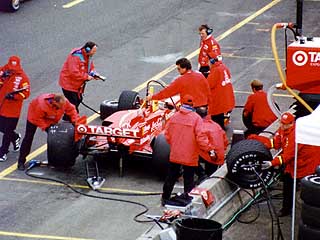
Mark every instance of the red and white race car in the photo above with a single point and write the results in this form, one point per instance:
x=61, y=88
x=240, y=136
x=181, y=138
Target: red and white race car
x=131, y=127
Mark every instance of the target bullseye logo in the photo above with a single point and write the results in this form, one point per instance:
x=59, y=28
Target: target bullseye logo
x=82, y=128
x=300, y=58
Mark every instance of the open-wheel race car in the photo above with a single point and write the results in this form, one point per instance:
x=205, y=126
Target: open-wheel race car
x=131, y=127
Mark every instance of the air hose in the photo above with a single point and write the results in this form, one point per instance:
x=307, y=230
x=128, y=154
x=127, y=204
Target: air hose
x=278, y=64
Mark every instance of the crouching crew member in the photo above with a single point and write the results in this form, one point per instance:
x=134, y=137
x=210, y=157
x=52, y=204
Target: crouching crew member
x=44, y=111
x=307, y=159
x=184, y=134
x=257, y=115
x=14, y=89
x=217, y=139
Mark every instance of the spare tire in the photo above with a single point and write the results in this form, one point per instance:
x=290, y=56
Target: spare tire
x=128, y=100
x=244, y=163
x=310, y=215
x=62, y=149
x=310, y=190
x=308, y=233
x=107, y=108
x=160, y=155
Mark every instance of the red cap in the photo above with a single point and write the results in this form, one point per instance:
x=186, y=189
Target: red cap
x=287, y=118
x=187, y=99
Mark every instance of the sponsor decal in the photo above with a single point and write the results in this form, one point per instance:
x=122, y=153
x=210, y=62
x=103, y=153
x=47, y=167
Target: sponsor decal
x=301, y=58
x=107, y=131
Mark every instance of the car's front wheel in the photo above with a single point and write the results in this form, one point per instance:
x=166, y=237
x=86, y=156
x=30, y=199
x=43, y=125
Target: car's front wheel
x=10, y=5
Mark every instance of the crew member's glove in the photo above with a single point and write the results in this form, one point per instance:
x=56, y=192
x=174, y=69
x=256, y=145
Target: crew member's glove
x=266, y=165
x=212, y=154
x=9, y=96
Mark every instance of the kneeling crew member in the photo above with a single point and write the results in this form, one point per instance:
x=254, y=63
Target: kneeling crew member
x=44, y=111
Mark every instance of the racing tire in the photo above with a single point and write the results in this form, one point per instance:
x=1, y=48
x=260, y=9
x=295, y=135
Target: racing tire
x=244, y=163
x=310, y=215
x=308, y=233
x=128, y=100
x=310, y=190
x=160, y=156
x=62, y=150
x=10, y=5
x=107, y=108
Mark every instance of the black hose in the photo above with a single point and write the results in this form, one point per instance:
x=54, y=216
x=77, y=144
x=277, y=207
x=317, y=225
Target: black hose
x=146, y=209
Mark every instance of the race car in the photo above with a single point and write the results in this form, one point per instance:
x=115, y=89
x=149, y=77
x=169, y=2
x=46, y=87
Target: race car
x=134, y=128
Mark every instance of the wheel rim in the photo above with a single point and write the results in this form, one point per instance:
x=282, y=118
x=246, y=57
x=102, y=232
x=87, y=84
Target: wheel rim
x=15, y=4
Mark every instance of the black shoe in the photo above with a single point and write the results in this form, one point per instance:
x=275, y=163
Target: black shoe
x=16, y=143
x=284, y=212
x=21, y=167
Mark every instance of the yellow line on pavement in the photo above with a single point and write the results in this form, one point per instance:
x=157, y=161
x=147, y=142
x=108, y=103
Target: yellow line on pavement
x=24, y=235
x=161, y=74
x=72, y=3
x=73, y=185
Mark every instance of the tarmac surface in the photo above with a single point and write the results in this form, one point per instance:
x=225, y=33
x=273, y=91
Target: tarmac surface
x=138, y=40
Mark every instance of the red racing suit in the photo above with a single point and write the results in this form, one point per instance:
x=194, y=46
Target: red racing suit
x=307, y=160
x=75, y=71
x=257, y=106
x=207, y=46
x=184, y=134
x=217, y=139
x=191, y=83
x=222, y=98
x=16, y=80
x=42, y=114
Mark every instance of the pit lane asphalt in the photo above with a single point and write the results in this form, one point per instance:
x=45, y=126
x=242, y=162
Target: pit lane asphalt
x=137, y=39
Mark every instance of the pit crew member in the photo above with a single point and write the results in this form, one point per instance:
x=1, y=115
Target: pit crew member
x=222, y=98
x=14, y=89
x=207, y=45
x=257, y=115
x=77, y=69
x=184, y=134
x=44, y=111
x=307, y=159
x=189, y=83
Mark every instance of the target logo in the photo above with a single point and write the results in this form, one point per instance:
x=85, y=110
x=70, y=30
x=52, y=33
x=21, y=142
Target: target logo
x=82, y=129
x=300, y=58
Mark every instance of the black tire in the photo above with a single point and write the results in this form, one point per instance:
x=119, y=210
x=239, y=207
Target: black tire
x=310, y=215
x=310, y=190
x=128, y=100
x=62, y=150
x=10, y=5
x=308, y=233
x=241, y=156
x=160, y=155
x=107, y=108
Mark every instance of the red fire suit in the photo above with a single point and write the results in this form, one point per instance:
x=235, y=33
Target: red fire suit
x=192, y=83
x=217, y=139
x=207, y=46
x=42, y=114
x=184, y=134
x=257, y=106
x=75, y=71
x=222, y=98
x=17, y=80
x=307, y=154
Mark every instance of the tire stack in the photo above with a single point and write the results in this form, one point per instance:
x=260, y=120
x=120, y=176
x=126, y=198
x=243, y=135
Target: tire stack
x=309, y=226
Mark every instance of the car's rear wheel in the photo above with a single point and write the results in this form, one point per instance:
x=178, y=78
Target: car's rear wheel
x=128, y=100
x=107, y=108
x=10, y=5
x=62, y=149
